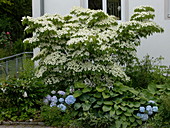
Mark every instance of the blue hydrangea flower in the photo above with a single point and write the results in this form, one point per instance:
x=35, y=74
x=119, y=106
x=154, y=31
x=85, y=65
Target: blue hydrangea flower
x=139, y=115
x=52, y=104
x=151, y=102
x=62, y=107
x=142, y=109
x=61, y=93
x=148, y=108
x=70, y=99
x=61, y=100
x=48, y=97
x=53, y=92
x=54, y=99
x=46, y=101
x=144, y=117
x=150, y=112
x=155, y=109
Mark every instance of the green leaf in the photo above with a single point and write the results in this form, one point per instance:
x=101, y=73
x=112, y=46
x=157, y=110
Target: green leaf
x=77, y=93
x=123, y=118
x=99, y=102
x=77, y=106
x=87, y=89
x=133, y=91
x=152, y=88
x=139, y=122
x=92, y=99
x=123, y=108
x=86, y=106
x=118, y=112
x=132, y=119
x=84, y=97
x=124, y=124
x=108, y=102
x=127, y=113
x=100, y=89
x=96, y=106
x=106, y=108
x=112, y=112
x=105, y=96
x=118, y=123
x=79, y=85
x=97, y=95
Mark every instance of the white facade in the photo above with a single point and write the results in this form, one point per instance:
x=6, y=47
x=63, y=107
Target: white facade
x=155, y=45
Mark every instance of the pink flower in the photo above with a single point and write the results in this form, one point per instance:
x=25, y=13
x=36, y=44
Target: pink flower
x=8, y=33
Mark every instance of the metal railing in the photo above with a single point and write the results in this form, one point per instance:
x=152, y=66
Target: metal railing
x=11, y=65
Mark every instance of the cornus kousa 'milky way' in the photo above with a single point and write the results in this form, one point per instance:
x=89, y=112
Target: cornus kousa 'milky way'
x=87, y=45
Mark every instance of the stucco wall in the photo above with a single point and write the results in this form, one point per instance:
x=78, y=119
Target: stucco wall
x=157, y=44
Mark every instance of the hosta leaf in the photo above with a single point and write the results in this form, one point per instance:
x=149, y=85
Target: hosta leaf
x=124, y=124
x=79, y=85
x=87, y=89
x=108, y=102
x=118, y=123
x=123, y=118
x=106, y=108
x=77, y=106
x=105, y=96
x=86, y=106
x=92, y=99
x=77, y=93
x=99, y=102
x=84, y=97
x=118, y=112
x=133, y=91
x=96, y=106
x=127, y=113
x=112, y=112
x=123, y=108
x=152, y=88
x=100, y=89
x=97, y=95
x=139, y=122
x=132, y=119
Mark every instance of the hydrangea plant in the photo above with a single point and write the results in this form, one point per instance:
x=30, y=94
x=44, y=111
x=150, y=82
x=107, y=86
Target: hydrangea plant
x=59, y=99
x=87, y=46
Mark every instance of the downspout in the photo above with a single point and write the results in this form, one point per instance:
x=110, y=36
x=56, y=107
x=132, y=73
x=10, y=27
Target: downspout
x=41, y=7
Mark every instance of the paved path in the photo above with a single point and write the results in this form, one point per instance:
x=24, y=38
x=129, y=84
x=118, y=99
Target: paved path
x=24, y=126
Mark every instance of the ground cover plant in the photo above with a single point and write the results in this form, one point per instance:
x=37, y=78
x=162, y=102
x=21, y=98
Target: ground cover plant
x=89, y=51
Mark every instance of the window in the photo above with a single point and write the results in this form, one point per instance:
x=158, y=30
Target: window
x=167, y=9
x=112, y=7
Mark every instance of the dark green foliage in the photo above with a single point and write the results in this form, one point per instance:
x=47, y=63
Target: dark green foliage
x=103, y=107
x=53, y=116
x=146, y=71
x=21, y=98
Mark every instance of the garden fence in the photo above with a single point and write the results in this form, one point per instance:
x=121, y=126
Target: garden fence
x=11, y=65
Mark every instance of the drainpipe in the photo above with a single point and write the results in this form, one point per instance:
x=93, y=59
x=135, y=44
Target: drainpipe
x=41, y=7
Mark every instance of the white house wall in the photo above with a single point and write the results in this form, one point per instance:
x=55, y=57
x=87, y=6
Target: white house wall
x=157, y=44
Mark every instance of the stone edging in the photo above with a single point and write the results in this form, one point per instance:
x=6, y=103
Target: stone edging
x=21, y=123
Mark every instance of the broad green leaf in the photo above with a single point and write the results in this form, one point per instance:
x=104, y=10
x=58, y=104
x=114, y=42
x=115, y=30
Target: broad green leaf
x=136, y=104
x=112, y=112
x=108, y=102
x=87, y=89
x=86, y=106
x=84, y=97
x=105, y=96
x=139, y=122
x=79, y=85
x=124, y=124
x=106, y=108
x=99, y=102
x=132, y=119
x=160, y=86
x=92, y=99
x=118, y=123
x=96, y=106
x=123, y=108
x=77, y=93
x=77, y=106
x=118, y=112
x=152, y=88
x=100, y=89
x=112, y=94
x=97, y=95
x=123, y=118
x=127, y=113
x=133, y=91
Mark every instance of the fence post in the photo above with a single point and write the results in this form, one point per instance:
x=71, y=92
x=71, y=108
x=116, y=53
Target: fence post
x=6, y=69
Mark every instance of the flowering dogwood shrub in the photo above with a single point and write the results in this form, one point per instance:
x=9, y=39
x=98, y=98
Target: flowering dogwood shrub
x=87, y=46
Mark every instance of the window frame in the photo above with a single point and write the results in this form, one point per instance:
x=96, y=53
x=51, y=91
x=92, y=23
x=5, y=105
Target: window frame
x=167, y=9
x=124, y=8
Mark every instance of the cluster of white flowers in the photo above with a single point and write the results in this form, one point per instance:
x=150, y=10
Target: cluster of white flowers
x=86, y=41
